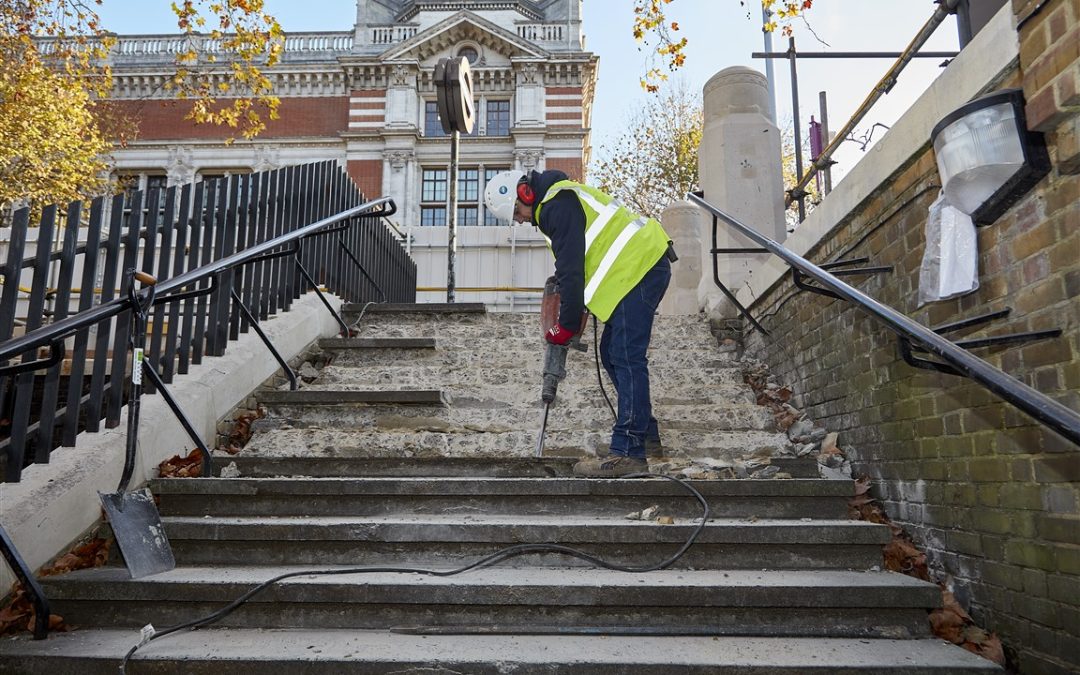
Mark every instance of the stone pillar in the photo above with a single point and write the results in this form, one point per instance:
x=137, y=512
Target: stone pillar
x=683, y=223
x=739, y=164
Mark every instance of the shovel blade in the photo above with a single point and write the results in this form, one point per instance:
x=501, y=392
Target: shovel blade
x=136, y=524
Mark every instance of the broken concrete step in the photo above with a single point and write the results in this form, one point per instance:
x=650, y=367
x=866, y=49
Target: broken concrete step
x=797, y=498
x=571, y=395
x=464, y=334
x=452, y=540
x=436, y=440
x=820, y=603
x=529, y=353
x=517, y=372
x=347, y=408
x=252, y=465
x=212, y=651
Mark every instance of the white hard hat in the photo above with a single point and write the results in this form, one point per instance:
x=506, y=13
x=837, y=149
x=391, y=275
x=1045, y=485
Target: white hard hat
x=501, y=193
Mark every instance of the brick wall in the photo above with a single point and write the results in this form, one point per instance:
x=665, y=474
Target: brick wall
x=298, y=118
x=367, y=174
x=571, y=166
x=993, y=497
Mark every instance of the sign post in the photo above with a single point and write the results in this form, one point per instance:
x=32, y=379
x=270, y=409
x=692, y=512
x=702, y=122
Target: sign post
x=454, y=97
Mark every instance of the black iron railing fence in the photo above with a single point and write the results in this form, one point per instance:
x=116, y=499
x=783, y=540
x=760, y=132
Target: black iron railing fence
x=226, y=253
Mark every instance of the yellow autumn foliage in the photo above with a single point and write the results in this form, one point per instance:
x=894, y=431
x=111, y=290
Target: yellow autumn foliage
x=55, y=132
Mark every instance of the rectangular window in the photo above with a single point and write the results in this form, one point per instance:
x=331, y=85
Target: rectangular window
x=434, y=185
x=432, y=123
x=433, y=216
x=498, y=118
x=468, y=186
x=466, y=215
x=489, y=218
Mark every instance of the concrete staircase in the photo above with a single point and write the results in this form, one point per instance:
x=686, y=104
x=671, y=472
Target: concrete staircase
x=413, y=449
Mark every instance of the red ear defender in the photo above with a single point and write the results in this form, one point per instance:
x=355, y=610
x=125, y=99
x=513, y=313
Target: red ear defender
x=526, y=194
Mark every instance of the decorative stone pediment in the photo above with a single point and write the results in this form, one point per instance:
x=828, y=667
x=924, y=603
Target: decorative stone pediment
x=464, y=26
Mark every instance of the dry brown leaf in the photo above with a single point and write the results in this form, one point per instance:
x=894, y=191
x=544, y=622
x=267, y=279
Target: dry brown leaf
x=182, y=467
x=19, y=614
x=990, y=648
x=93, y=553
x=862, y=485
x=947, y=625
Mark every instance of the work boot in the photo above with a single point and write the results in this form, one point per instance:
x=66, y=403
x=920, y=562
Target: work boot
x=612, y=466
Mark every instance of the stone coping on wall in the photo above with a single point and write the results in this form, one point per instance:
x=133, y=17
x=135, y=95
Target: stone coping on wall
x=981, y=64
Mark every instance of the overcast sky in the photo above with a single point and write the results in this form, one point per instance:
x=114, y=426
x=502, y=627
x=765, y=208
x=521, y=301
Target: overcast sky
x=719, y=33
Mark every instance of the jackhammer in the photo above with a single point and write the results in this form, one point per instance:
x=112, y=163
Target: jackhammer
x=554, y=355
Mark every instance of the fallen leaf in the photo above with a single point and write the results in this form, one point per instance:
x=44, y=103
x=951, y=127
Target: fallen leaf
x=182, y=467
x=665, y=520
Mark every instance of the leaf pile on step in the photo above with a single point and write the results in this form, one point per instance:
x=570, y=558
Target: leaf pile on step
x=19, y=614
x=950, y=622
x=240, y=433
x=182, y=467
x=772, y=396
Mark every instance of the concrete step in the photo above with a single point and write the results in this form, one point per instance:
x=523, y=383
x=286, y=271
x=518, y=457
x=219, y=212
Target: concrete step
x=212, y=651
x=440, y=350
x=520, y=371
x=748, y=543
x=457, y=335
x=822, y=603
x=252, y=465
x=797, y=498
x=361, y=408
x=436, y=439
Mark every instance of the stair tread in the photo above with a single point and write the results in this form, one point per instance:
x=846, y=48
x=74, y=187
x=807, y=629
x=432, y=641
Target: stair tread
x=420, y=486
x=498, y=653
x=561, y=584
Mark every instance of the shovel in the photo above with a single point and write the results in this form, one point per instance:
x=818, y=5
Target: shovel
x=134, y=516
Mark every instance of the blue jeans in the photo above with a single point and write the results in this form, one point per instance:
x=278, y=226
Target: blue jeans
x=623, y=350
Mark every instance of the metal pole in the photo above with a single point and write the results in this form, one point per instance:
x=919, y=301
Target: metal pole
x=451, y=218
x=823, y=103
x=798, y=190
x=770, y=76
x=944, y=8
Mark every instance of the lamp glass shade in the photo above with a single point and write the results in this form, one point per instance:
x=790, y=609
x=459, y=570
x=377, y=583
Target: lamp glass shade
x=977, y=154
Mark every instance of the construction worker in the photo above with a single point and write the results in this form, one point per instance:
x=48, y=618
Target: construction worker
x=616, y=263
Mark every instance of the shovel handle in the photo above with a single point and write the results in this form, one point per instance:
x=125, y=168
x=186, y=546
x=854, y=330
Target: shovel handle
x=145, y=279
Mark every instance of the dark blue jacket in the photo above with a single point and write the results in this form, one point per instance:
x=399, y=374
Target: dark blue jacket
x=563, y=222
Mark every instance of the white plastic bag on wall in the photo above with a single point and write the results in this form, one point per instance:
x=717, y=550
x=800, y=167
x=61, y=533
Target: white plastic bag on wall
x=950, y=264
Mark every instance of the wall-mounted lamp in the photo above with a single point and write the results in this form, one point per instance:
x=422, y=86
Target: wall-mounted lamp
x=986, y=156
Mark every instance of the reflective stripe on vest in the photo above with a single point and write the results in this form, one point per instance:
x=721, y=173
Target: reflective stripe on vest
x=613, y=234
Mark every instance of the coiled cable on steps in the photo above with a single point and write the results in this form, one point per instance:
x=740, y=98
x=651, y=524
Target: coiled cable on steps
x=487, y=561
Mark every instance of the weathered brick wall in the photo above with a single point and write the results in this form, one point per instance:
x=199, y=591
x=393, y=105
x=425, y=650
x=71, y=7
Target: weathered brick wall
x=165, y=120
x=993, y=497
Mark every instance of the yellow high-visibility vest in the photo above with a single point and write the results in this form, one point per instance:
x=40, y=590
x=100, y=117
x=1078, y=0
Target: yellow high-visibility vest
x=620, y=246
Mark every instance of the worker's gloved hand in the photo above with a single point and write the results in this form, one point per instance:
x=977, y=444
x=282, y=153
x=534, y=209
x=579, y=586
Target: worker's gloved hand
x=557, y=335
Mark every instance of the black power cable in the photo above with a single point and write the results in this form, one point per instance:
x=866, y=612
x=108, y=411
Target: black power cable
x=487, y=561
x=599, y=379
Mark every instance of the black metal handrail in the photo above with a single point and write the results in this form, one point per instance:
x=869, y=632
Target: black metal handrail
x=64, y=328
x=243, y=286
x=1046, y=410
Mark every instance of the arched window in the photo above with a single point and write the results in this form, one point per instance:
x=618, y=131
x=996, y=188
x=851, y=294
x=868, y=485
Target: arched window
x=469, y=53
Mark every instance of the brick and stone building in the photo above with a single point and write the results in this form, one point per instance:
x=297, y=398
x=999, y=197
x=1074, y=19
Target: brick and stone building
x=365, y=97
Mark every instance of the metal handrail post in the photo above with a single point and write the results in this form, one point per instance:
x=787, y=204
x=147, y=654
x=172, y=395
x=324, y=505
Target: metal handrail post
x=26, y=577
